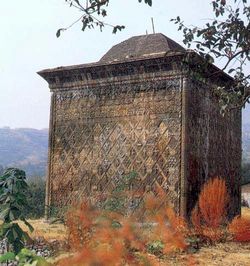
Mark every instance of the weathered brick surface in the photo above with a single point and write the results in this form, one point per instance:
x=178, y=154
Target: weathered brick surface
x=214, y=144
x=102, y=134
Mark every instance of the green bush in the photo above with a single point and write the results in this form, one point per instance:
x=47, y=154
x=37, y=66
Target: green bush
x=155, y=247
x=35, y=199
x=13, y=191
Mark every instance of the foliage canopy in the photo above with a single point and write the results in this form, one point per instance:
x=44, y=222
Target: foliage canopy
x=93, y=13
x=226, y=38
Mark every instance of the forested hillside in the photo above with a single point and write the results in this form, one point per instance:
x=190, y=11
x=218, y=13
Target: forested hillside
x=25, y=148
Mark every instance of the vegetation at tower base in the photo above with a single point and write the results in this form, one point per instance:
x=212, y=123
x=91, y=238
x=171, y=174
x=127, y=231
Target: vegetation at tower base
x=113, y=236
x=13, y=190
x=227, y=38
x=93, y=13
x=95, y=239
x=13, y=203
x=35, y=199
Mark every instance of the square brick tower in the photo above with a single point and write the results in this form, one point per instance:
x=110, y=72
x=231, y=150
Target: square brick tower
x=141, y=108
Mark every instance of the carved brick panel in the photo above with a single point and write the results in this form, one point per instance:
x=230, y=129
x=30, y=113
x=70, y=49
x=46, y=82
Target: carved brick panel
x=101, y=134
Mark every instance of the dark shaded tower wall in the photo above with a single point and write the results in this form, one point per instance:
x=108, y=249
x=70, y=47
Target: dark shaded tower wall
x=110, y=120
x=213, y=143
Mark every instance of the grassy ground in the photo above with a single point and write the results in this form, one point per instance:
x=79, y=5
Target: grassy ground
x=46, y=230
x=223, y=254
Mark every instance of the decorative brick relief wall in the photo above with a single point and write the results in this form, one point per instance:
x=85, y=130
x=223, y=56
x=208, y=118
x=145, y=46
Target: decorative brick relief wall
x=102, y=133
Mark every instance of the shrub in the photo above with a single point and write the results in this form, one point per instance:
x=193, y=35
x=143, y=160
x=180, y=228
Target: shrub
x=213, y=201
x=210, y=213
x=13, y=190
x=35, y=199
x=111, y=237
x=98, y=242
x=240, y=229
x=156, y=247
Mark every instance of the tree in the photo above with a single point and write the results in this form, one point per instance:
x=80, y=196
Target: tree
x=93, y=13
x=226, y=38
x=13, y=191
x=35, y=199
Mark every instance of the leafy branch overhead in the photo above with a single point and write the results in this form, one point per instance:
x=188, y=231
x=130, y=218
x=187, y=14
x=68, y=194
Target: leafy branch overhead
x=93, y=13
x=227, y=38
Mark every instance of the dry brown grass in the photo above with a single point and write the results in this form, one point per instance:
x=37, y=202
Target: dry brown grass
x=223, y=254
x=46, y=230
x=245, y=212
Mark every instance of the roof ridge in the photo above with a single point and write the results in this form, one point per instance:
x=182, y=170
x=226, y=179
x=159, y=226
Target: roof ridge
x=136, y=47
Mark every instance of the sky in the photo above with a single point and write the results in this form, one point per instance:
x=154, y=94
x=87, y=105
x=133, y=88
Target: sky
x=28, y=44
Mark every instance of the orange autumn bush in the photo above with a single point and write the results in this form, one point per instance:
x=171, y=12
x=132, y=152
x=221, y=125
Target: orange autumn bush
x=99, y=237
x=80, y=221
x=210, y=213
x=213, y=201
x=108, y=245
x=240, y=229
x=172, y=230
x=106, y=237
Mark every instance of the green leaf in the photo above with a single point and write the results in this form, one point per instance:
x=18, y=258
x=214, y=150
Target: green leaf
x=149, y=2
x=26, y=256
x=4, y=213
x=84, y=25
x=58, y=33
x=118, y=27
x=7, y=256
x=31, y=228
x=17, y=246
x=14, y=196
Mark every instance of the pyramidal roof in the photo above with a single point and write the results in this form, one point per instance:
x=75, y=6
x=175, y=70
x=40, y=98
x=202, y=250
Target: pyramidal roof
x=138, y=47
x=133, y=49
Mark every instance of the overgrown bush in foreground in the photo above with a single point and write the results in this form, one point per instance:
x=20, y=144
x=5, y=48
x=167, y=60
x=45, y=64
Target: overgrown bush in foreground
x=13, y=200
x=110, y=235
x=111, y=238
x=13, y=191
x=210, y=212
x=240, y=229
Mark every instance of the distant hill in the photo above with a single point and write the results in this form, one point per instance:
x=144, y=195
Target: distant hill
x=24, y=148
x=27, y=148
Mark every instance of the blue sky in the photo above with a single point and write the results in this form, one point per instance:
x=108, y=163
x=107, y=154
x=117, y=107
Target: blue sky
x=28, y=44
